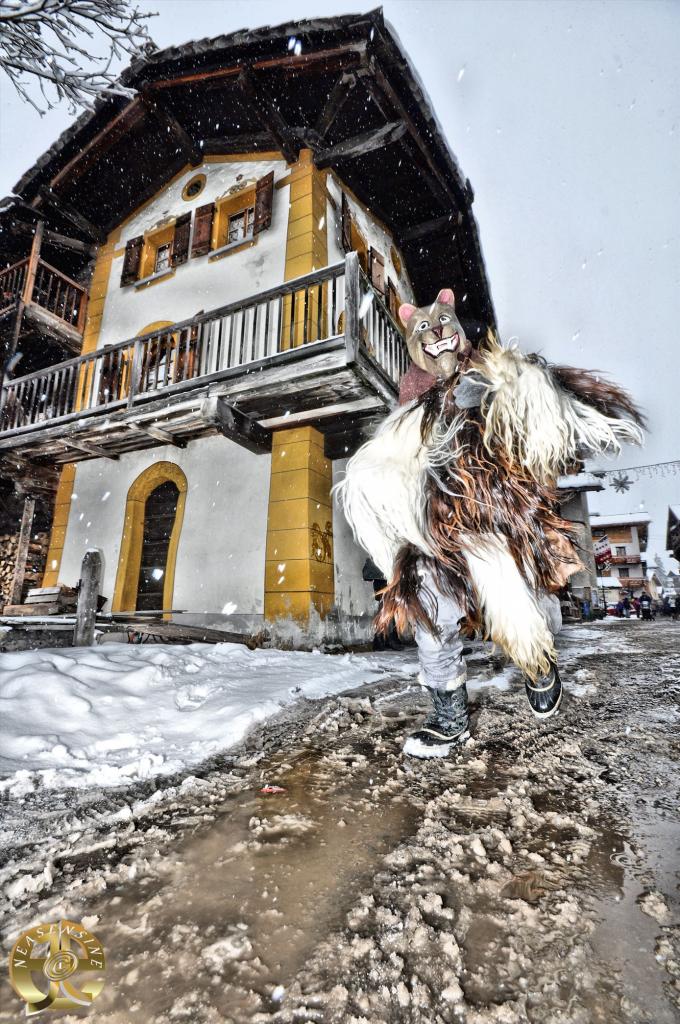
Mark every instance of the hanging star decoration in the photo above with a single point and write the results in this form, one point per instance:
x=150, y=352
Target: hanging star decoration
x=621, y=483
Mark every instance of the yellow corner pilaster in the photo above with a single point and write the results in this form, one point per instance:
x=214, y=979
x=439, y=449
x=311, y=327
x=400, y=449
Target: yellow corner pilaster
x=306, y=248
x=95, y=310
x=299, y=559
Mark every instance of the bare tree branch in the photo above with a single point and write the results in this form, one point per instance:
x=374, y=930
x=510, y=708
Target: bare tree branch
x=64, y=50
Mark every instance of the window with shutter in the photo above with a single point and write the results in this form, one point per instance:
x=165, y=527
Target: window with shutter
x=202, y=230
x=264, y=194
x=180, y=244
x=346, y=225
x=133, y=256
x=377, y=271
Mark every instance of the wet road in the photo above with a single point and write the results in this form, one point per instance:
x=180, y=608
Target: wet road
x=531, y=877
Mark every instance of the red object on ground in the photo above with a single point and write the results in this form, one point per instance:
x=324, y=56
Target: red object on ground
x=269, y=790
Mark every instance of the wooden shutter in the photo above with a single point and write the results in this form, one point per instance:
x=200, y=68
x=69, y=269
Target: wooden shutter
x=180, y=242
x=346, y=225
x=377, y=271
x=133, y=256
x=264, y=195
x=392, y=301
x=202, y=230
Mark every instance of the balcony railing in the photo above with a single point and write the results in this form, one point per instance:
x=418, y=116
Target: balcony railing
x=41, y=285
x=251, y=334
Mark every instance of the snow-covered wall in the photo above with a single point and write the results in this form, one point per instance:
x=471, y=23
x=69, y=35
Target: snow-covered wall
x=353, y=596
x=220, y=560
x=201, y=283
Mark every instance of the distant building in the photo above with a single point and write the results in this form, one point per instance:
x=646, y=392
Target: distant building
x=573, y=498
x=627, y=535
x=673, y=531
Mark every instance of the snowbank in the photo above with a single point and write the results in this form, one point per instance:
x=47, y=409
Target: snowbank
x=109, y=715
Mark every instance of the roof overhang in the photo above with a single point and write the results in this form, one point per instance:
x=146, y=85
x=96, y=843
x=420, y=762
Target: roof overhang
x=342, y=87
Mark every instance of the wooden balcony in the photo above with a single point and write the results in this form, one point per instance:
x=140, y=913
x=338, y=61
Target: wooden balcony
x=50, y=299
x=322, y=349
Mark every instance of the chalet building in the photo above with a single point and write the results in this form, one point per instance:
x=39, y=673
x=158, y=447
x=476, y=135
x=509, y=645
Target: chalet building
x=199, y=315
x=573, y=493
x=627, y=535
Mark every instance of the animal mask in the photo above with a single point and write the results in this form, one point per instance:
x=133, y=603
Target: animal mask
x=434, y=337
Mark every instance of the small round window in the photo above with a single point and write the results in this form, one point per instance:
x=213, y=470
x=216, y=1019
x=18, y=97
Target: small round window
x=194, y=187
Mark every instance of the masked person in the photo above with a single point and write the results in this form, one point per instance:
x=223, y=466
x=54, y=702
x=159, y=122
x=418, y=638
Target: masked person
x=454, y=499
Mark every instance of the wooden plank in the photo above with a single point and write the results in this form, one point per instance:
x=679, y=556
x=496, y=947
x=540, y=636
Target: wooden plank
x=157, y=433
x=78, y=220
x=88, y=595
x=154, y=104
x=180, y=632
x=233, y=424
x=55, y=238
x=337, y=98
x=268, y=113
x=90, y=449
x=361, y=144
x=352, y=303
x=103, y=140
x=433, y=227
x=33, y=609
x=32, y=269
x=22, y=550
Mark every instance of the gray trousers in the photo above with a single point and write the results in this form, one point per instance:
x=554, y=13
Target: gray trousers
x=442, y=666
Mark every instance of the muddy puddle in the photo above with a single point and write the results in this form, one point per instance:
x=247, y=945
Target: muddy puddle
x=238, y=906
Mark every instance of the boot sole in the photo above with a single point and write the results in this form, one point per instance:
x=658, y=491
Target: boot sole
x=542, y=715
x=416, y=748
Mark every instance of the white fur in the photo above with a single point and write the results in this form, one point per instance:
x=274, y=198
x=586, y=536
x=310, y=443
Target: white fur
x=383, y=492
x=512, y=616
x=540, y=423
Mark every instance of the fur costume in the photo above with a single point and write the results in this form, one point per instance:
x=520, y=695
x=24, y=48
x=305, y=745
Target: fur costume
x=468, y=485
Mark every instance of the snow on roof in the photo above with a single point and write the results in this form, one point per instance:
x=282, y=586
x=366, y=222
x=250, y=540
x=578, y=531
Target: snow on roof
x=622, y=519
x=608, y=582
x=580, y=482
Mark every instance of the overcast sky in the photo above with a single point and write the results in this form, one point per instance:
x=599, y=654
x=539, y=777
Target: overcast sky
x=566, y=118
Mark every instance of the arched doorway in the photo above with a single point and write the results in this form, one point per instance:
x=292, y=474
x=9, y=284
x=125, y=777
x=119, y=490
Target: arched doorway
x=154, y=513
x=159, y=520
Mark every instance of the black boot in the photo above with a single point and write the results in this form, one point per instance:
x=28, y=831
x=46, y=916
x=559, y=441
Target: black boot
x=545, y=694
x=444, y=728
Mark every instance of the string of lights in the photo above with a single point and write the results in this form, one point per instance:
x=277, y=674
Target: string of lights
x=621, y=481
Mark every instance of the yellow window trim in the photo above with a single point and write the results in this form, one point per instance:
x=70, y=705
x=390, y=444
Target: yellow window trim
x=227, y=207
x=130, y=558
x=153, y=240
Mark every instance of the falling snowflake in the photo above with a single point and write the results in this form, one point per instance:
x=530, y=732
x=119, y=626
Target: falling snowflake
x=621, y=483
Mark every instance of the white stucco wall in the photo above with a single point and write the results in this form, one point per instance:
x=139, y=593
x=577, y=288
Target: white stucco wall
x=376, y=237
x=353, y=596
x=200, y=283
x=220, y=559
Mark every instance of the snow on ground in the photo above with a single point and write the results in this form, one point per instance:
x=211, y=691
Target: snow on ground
x=111, y=715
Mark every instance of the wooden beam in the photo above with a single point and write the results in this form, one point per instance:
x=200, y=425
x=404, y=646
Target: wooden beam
x=153, y=103
x=88, y=597
x=246, y=143
x=268, y=114
x=359, y=145
x=236, y=426
x=54, y=238
x=337, y=98
x=436, y=226
x=350, y=56
x=156, y=432
x=89, y=449
x=22, y=550
x=103, y=140
x=58, y=203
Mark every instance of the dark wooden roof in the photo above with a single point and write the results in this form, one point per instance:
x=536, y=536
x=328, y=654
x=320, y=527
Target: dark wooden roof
x=340, y=86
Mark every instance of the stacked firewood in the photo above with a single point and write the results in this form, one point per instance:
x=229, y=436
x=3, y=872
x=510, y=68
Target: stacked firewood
x=35, y=563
